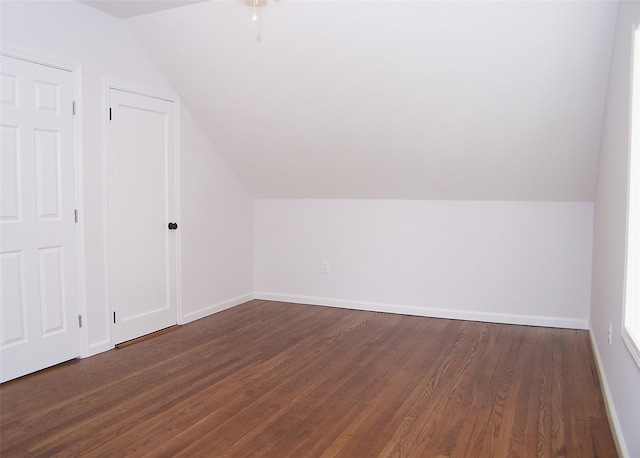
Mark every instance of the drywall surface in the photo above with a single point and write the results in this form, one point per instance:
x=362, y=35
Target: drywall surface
x=74, y=33
x=618, y=369
x=511, y=262
x=433, y=100
x=217, y=229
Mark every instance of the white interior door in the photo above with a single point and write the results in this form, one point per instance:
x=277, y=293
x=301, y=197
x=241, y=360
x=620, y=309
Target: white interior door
x=141, y=195
x=39, y=298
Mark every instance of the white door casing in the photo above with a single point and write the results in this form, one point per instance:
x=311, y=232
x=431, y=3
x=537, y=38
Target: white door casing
x=141, y=170
x=38, y=269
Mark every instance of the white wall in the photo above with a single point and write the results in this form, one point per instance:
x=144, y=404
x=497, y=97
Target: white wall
x=444, y=100
x=511, y=262
x=217, y=229
x=72, y=32
x=617, y=367
x=522, y=262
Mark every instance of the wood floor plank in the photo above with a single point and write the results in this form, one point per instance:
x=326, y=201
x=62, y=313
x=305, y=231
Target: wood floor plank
x=275, y=379
x=475, y=389
x=559, y=439
x=248, y=412
x=127, y=400
x=387, y=353
x=419, y=404
x=392, y=411
x=257, y=380
x=473, y=407
x=485, y=439
x=449, y=405
x=534, y=384
x=375, y=415
x=332, y=376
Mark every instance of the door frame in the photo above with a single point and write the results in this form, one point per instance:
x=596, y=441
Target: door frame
x=156, y=94
x=75, y=70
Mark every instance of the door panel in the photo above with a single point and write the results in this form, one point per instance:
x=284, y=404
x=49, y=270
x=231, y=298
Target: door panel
x=39, y=305
x=14, y=330
x=9, y=191
x=142, y=250
x=47, y=174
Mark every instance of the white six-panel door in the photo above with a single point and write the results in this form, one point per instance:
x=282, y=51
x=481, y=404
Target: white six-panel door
x=141, y=204
x=39, y=303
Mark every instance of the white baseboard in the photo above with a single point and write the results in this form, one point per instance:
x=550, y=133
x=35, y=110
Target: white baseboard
x=105, y=345
x=608, y=401
x=528, y=320
x=215, y=308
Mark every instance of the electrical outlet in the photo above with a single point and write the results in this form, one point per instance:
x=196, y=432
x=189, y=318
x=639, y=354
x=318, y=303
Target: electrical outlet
x=610, y=332
x=324, y=266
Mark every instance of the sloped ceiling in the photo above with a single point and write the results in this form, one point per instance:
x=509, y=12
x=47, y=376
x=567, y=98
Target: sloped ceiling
x=129, y=8
x=471, y=100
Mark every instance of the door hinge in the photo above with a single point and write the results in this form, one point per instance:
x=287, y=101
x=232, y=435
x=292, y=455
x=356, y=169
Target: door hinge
x=75, y=214
x=109, y=113
x=114, y=317
x=79, y=321
x=73, y=109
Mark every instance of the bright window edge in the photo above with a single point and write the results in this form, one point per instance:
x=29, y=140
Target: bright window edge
x=631, y=310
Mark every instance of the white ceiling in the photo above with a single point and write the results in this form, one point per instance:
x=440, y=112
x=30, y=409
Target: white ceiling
x=129, y=8
x=474, y=100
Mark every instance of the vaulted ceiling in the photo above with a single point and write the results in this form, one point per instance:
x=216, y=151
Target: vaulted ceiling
x=472, y=100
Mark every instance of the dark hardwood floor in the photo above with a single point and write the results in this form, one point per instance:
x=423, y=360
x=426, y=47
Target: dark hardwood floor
x=274, y=379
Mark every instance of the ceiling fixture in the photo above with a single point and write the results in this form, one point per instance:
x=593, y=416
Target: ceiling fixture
x=255, y=4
